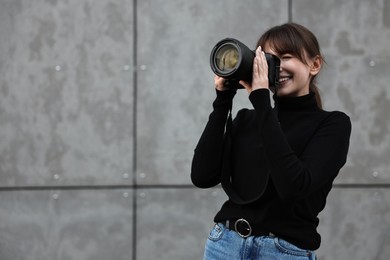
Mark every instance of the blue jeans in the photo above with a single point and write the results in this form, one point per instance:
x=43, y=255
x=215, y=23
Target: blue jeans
x=225, y=244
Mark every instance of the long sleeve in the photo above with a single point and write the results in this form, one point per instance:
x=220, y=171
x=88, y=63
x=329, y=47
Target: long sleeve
x=298, y=175
x=206, y=163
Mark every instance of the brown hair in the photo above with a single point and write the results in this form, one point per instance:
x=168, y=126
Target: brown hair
x=296, y=40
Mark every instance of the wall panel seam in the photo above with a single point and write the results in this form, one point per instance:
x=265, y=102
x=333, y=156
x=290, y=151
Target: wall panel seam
x=135, y=93
x=163, y=186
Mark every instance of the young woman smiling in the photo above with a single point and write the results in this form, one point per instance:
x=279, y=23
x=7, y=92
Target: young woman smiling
x=280, y=162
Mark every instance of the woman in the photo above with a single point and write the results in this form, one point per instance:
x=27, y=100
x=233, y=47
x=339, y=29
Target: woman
x=277, y=165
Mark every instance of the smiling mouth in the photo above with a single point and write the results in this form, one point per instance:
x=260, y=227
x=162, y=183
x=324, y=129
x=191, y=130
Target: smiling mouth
x=284, y=79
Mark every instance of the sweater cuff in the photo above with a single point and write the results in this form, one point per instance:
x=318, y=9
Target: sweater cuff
x=260, y=99
x=224, y=98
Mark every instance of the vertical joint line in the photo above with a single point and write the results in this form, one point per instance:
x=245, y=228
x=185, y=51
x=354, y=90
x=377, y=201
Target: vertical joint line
x=135, y=94
x=289, y=11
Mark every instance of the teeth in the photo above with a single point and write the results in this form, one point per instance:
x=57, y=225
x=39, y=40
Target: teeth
x=283, y=79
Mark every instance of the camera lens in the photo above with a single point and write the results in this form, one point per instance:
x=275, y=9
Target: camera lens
x=226, y=58
x=233, y=60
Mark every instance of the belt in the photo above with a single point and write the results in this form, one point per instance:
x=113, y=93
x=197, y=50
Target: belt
x=244, y=229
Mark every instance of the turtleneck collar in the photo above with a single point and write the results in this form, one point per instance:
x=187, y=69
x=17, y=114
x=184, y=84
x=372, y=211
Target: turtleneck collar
x=307, y=102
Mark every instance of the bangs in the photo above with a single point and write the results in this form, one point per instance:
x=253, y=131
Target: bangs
x=285, y=39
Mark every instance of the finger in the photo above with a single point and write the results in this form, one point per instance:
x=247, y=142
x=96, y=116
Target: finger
x=246, y=85
x=260, y=55
x=263, y=59
x=258, y=50
x=255, y=64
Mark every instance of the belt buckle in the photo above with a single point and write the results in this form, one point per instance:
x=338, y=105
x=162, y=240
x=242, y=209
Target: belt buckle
x=248, y=228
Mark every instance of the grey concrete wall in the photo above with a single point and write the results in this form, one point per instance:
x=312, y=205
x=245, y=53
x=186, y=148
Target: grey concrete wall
x=102, y=103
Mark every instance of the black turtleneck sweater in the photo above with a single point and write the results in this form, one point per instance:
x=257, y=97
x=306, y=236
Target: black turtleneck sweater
x=287, y=161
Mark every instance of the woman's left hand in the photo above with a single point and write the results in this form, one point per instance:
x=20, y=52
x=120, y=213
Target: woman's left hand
x=259, y=74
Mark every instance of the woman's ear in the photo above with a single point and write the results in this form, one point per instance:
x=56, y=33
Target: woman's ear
x=315, y=65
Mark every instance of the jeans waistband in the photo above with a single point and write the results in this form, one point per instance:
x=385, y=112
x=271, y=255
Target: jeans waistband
x=245, y=229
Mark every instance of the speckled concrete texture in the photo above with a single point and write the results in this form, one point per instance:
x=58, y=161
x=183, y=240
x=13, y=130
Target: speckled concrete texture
x=102, y=103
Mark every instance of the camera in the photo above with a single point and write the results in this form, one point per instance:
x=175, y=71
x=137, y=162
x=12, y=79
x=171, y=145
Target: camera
x=233, y=60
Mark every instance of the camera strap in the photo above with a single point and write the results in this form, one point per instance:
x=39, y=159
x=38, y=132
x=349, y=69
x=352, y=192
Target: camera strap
x=226, y=180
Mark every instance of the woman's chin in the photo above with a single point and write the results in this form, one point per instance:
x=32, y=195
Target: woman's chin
x=282, y=91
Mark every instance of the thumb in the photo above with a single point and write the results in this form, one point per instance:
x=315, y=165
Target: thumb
x=246, y=85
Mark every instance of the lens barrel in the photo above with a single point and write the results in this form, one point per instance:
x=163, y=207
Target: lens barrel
x=233, y=60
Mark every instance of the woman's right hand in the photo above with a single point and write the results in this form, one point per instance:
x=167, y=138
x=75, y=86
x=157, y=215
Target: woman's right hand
x=220, y=83
x=260, y=72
